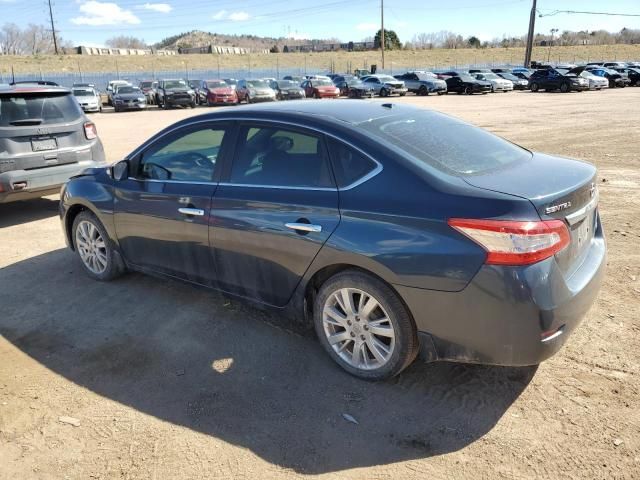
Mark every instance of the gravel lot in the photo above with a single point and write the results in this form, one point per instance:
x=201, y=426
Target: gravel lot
x=160, y=380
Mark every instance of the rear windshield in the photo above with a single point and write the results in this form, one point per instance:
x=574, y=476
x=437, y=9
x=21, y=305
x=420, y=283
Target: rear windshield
x=38, y=109
x=83, y=93
x=445, y=143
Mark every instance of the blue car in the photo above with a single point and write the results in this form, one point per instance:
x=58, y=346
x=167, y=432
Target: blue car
x=395, y=231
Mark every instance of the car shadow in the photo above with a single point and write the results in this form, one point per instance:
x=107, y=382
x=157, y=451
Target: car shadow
x=225, y=369
x=16, y=213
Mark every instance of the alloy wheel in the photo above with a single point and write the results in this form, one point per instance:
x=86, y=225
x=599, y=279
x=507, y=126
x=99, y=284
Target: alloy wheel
x=91, y=247
x=358, y=328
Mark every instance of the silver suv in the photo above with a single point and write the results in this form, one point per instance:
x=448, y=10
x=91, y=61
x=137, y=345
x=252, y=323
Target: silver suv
x=45, y=138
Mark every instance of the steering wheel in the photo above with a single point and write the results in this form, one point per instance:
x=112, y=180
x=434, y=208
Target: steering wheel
x=198, y=158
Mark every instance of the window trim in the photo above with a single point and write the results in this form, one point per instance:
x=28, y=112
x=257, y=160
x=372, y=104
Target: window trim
x=233, y=122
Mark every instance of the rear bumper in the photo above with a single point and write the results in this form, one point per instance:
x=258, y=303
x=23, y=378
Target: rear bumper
x=507, y=315
x=39, y=182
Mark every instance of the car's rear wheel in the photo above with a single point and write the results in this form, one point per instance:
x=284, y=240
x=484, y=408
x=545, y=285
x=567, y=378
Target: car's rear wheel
x=94, y=248
x=364, y=326
x=248, y=99
x=384, y=92
x=535, y=87
x=423, y=91
x=565, y=87
x=468, y=90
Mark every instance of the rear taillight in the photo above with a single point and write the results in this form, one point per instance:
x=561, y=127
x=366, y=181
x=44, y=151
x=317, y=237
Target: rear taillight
x=90, y=130
x=509, y=242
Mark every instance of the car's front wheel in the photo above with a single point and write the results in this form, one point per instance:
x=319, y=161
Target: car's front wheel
x=534, y=87
x=94, y=248
x=364, y=326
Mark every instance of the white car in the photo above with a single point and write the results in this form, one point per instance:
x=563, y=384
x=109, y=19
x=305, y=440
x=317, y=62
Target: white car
x=88, y=99
x=498, y=84
x=595, y=82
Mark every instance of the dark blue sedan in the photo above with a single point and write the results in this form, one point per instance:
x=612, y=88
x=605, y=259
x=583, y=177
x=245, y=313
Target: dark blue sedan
x=395, y=230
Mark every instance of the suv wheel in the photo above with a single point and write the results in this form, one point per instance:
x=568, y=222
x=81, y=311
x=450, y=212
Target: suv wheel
x=423, y=91
x=565, y=87
x=95, y=249
x=384, y=92
x=535, y=87
x=364, y=326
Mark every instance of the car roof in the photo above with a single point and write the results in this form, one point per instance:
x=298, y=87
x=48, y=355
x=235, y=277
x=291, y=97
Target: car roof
x=342, y=111
x=30, y=88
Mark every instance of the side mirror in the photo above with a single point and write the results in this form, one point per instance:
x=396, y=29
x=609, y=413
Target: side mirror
x=120, y=171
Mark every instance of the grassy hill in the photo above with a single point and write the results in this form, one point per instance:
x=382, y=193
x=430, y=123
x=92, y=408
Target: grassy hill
x=315, y=62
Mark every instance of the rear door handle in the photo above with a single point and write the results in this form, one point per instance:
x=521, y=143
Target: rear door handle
x=304, y=227
x=196, y=212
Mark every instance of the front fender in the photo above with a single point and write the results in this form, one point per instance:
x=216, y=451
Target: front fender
x=93, y=193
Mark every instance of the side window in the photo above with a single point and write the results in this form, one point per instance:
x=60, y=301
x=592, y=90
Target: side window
x=277, y=157
x=349, y=165
x=190, y=157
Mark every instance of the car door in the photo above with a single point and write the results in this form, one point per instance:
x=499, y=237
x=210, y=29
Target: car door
x=375, y=83
x=162, y=211
x=308, y=89
x=277, y=206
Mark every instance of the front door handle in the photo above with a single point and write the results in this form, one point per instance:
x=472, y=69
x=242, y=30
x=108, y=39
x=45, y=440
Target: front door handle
x=304, y=227
x=196, y=212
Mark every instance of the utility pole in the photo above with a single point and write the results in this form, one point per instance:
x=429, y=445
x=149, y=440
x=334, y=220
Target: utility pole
x=532, y=26
x=53, y=28
x=382, y=30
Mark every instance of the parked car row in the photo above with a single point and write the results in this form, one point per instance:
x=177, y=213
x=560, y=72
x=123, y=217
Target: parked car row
x=168, y=93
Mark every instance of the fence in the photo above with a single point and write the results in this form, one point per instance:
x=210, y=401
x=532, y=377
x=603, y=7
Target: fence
x=100, y=79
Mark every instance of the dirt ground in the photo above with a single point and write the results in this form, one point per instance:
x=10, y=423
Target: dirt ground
x=164, y=381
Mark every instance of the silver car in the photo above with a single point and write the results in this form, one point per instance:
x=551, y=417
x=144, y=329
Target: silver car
x=423, y=83
x=595, y=82
x=498, y=84
x=88, y=99
x=385, y=85
x=45, y=138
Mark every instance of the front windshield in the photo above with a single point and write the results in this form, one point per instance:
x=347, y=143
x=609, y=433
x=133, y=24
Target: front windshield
x=287, y=84
x=84, y=93
x=175, y=84
x=353, y=81
x=509, y=76
x=490, y=76
x=217, y=84
x=145, y=84
x=467, y=78
x=257, y=84
x=322, y=83
x=128, y=90
x=387, y=78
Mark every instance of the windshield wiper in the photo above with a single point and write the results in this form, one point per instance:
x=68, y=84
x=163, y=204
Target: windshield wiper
x=26, y=121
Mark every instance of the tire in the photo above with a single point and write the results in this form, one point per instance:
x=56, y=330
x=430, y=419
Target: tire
x=565, y=87
x=468, y=90
x=423, y=91
x=493, y=90
x=402, y=94
x=248, y=99
x=106, y=264
x=383, y=92
x=193, y=104
x=442, y=93
x=317, y=96
x=394, y=353
x=535, y=87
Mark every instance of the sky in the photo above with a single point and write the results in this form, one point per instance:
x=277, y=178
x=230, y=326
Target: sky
x=92, y=22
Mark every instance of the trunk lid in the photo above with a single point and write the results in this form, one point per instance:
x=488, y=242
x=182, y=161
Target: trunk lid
x=559, y=188
x=40, y=129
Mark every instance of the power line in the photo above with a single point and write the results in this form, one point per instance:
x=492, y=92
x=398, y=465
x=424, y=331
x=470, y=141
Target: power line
x=555, y=12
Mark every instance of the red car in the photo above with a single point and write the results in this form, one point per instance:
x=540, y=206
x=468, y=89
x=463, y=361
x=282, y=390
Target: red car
x=217, y=92
x=320, y=88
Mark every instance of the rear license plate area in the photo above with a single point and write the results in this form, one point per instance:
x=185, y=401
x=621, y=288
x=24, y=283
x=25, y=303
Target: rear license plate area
x=583, y=231
x=43, y=144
